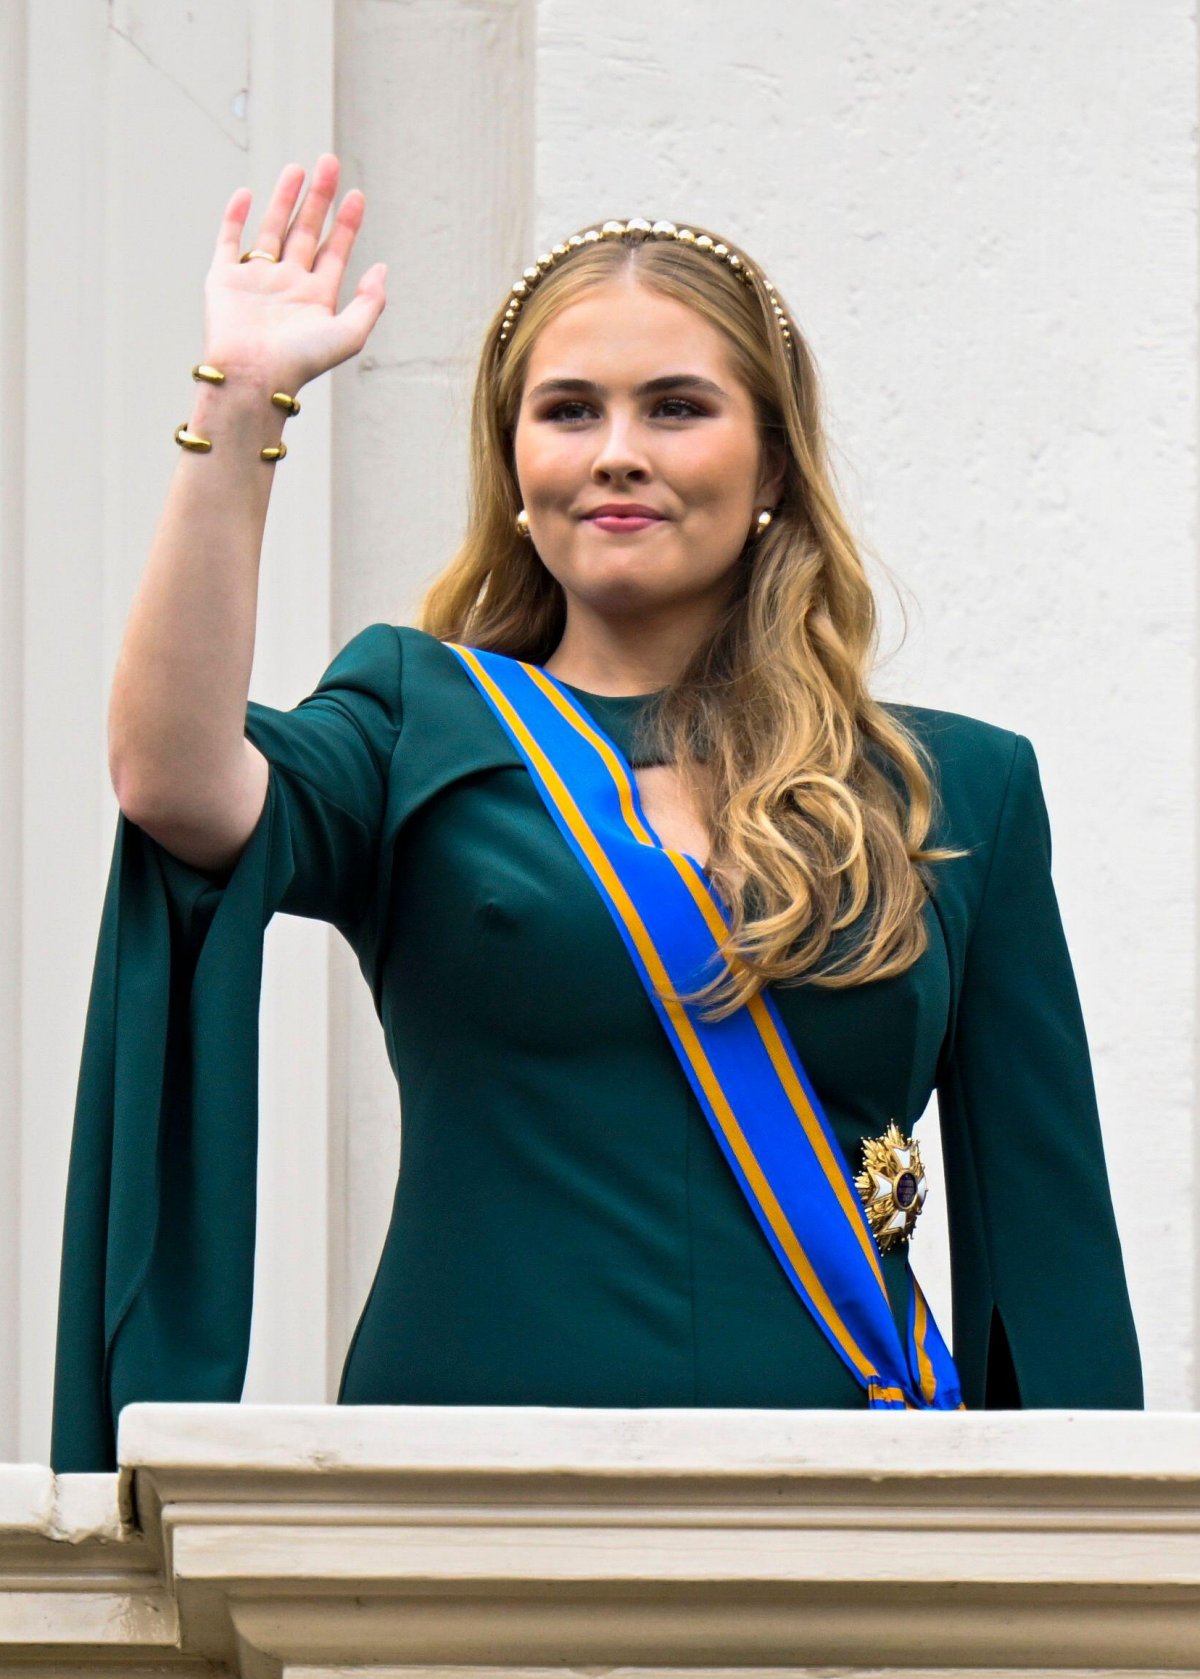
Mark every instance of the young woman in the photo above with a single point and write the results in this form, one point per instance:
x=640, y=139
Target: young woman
x=672, y=928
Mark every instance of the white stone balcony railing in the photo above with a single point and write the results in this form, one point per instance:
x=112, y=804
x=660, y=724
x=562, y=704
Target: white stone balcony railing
x=316, y=1541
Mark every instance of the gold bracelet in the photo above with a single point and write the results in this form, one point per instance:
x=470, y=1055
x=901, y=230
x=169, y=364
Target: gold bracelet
x=192, y=440
x=214, y=376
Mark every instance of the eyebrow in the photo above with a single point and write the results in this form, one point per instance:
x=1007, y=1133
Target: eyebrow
x=666, y=382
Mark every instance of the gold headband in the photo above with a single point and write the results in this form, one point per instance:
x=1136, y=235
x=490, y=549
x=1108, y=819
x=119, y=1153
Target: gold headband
x=637, y=225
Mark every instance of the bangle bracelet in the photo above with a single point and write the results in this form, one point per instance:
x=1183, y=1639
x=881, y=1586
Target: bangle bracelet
x=192, y=440
x=214, y=376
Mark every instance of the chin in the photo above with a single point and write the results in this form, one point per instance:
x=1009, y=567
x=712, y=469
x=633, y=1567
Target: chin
x=620, y=574
x=623, y=595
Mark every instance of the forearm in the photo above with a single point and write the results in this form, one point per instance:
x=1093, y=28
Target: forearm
x=178, y=701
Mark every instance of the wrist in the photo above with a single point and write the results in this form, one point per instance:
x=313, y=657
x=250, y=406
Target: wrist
x=236, y=403
x=250, y=376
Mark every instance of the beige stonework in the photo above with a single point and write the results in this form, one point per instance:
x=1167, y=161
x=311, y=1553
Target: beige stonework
x=456, y=1541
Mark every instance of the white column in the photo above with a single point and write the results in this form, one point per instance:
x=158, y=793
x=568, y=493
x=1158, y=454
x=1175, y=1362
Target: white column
x=12, y=512
x=290, y=116
x=65, y=801
x=435, y=124
x=140, y=122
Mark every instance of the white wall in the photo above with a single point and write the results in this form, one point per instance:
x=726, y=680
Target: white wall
x=982, y=218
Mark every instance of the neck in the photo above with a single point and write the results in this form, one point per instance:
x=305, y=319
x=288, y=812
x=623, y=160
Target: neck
x=636, y=655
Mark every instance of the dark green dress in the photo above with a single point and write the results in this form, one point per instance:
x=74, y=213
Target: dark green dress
x=565, y=1229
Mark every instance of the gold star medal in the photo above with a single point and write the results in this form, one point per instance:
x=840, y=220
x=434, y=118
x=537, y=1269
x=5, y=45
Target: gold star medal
x=892, y=1185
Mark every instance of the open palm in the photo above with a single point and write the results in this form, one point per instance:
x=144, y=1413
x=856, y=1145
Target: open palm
x=281, y=318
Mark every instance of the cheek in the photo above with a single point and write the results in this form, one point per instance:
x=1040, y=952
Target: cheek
x=549, y=475
x=713, y=469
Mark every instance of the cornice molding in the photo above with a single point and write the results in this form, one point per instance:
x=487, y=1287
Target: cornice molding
x=266, y=1539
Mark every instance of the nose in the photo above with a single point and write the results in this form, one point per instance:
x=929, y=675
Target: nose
x=619, y=454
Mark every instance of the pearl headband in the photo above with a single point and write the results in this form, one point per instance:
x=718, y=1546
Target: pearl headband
x=644, y=230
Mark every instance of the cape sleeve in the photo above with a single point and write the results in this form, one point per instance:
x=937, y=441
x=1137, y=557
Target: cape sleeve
x=1042, y=1315
x=157, y=1267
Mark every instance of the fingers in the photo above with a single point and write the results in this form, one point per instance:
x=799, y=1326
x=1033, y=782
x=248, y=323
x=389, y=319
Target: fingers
x=299, y=241
x=334, y=254
x=302, y=236
x=229, y=238
x=273, y=225
x=363, y=310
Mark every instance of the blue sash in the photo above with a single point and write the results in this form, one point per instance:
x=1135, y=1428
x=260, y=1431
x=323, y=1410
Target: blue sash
x=744, y=1069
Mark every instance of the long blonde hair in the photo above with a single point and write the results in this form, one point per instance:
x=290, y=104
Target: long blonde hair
x=815, y=796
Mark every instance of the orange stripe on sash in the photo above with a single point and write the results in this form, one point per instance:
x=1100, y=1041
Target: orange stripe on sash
x=876, y=1390
x=925, y=1370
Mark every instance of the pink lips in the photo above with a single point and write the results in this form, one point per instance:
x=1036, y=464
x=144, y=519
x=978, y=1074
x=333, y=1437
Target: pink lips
x=622, y=521
x=624, y=516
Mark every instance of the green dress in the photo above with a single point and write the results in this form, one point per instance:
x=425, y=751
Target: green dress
x=565, y=1229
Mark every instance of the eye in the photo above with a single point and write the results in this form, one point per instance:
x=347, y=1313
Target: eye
x=682, y=402
x=556, y=413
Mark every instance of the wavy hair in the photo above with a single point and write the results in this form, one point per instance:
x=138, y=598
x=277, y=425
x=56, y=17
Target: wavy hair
x=817, y=798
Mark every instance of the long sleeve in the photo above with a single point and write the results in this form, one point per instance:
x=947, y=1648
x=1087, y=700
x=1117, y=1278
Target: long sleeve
x=158, y=1240
x=1042, y=1315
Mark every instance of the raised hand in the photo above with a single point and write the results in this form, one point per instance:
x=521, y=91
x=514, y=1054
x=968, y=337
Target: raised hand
x=280, y=319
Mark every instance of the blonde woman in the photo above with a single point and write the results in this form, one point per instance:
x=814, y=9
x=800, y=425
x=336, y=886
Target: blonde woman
x=638, y=698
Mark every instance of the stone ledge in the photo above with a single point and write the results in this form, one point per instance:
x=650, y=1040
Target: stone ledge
x=970, y=1444
x=270, y=1539
x=78, y=1584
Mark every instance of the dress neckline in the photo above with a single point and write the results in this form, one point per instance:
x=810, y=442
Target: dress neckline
x=631, y=700
x=622, y=716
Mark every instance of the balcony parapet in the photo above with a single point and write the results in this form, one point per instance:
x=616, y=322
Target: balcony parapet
x=315, y=1540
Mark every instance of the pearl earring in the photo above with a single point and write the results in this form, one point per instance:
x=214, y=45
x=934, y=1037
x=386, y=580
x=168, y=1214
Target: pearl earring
x=522, y=523
x=764, y=519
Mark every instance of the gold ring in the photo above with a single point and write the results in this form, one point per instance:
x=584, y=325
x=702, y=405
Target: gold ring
x=266, y=255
